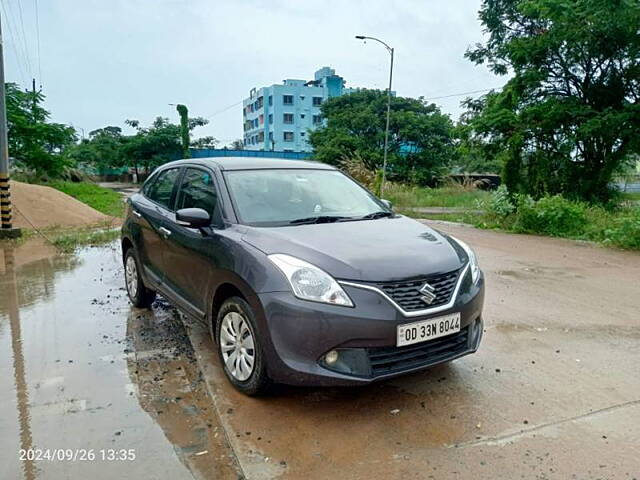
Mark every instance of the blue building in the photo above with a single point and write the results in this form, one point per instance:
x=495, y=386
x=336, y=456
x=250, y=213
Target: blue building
x=279, y=117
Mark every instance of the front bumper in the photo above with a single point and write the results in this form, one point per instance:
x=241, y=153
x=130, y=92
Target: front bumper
x=299, y=333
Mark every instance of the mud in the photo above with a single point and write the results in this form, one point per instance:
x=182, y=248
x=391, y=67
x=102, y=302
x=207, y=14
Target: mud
x=553, y=393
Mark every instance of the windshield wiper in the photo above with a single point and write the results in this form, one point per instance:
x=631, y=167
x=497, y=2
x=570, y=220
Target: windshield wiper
x=317, y=219
x=375, y=215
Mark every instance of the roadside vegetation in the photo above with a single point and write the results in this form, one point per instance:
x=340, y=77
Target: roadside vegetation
x=614, y=225
x=452, y=196
x=104, y=200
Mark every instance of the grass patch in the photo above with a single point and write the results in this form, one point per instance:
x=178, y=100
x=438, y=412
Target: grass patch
x=454, y=196
x=102, y=199
x=69, y=241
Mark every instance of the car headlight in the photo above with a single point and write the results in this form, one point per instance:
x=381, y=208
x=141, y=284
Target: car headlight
x=308, y=282
x=473, y=260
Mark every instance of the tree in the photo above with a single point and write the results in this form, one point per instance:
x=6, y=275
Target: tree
x=153, y=146
x=237, y=145
x=157, y=144
x=472, y=154
x=420, y=143
x=207, y=142
x=33, y=141
x=103, y=149
x=148, y=148
x=569, y=115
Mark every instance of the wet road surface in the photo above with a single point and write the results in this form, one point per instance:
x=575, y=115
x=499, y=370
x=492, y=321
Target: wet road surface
x=553, y=393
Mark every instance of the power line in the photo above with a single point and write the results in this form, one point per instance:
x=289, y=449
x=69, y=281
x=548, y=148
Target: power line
x=225, y=109
x=19, y=41
x=463, y=93
x=24, y=37
x=14, y=44
x=38, y=41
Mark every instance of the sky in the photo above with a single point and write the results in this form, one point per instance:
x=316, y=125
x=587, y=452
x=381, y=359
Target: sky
x=102, y=62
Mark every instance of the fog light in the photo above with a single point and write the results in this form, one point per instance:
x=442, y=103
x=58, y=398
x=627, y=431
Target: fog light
x=331, y=357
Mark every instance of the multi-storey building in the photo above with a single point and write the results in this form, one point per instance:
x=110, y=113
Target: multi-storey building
x=279, y=117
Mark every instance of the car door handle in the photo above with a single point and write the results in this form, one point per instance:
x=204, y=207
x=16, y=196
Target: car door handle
x=165, y=232
x=137, y=214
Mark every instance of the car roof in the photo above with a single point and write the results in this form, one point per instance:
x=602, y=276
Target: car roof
x=253, y=163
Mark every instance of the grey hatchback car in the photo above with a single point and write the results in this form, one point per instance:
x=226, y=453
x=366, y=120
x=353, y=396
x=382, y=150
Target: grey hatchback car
x=302, y=275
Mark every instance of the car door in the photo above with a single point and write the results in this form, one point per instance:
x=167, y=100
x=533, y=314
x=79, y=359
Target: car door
x=193, y=255
x=152, y=208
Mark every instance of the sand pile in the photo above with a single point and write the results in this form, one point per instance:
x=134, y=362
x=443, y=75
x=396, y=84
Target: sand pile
x=48, y=207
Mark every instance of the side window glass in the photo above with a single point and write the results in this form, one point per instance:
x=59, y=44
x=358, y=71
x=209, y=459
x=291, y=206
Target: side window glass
x=198, y=191
x=161, y=189
x=148, y=184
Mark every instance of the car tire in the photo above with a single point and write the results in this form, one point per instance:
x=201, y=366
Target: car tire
x=139, y=294
x=236, y=331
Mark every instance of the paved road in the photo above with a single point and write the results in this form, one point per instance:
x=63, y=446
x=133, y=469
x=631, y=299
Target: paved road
x=553, y=393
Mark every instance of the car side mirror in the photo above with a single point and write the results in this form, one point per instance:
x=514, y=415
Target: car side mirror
x=193, y=217
x=387, y=203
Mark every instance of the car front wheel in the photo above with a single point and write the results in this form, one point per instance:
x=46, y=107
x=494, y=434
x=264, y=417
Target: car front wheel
x=139, y=294
x=239, y=347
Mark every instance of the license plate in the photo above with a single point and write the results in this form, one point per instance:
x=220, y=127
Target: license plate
x=417, y=332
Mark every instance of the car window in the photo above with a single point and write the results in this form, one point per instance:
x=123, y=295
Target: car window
x=161, y=189
x=276, y=197
x=198, y=191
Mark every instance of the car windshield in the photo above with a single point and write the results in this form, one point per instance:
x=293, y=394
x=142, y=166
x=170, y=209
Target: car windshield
x=298, y=196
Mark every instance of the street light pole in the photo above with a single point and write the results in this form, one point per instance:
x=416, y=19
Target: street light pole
x=386, y=130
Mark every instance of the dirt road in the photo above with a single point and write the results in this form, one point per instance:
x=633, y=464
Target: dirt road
x=553, y=393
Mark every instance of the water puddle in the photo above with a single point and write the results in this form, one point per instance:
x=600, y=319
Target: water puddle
x=82, y=371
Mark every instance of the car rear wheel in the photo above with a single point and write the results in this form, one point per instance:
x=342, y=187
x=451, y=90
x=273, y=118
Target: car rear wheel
x=139, y=294
x=239, y=347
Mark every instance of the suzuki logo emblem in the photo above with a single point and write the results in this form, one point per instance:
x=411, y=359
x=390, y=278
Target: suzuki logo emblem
x=428, y=294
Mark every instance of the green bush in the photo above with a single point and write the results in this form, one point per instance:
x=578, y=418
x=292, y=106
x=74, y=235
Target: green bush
x=554, y=216
x=623, y=230
x=499, y=204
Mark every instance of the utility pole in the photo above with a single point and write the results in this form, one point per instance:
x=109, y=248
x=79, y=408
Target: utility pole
x=7, y=230
x=34, y=102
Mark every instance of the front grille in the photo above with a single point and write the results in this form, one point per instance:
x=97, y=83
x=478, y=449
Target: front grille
x=407, y=294
x=386, y=360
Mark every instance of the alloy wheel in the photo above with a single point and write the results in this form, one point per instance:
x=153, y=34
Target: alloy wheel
x=131, y=276
x=237, y=346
